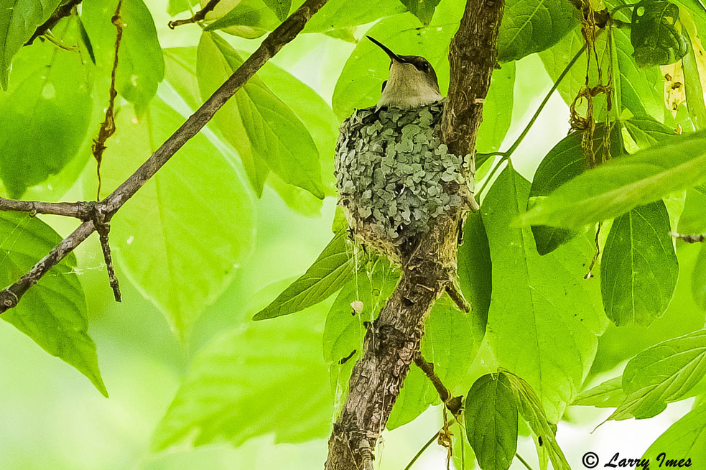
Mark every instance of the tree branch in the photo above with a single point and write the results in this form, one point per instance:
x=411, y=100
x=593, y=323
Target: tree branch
x=282, y=35
x=392, y=341
x=453, y=404
x=62, y=11
x=694, y=238
x=198, y=16
x=80, y=210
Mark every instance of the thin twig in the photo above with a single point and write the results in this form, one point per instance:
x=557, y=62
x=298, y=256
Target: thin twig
x=282, y=35
x=198, y=16
x=519, y=457
x=695, y=238
x=457, y=296
x=453, y=404
x=107, y=128
x=80, y=210
x=61, y=12
x=103, y=228
x=421, y=451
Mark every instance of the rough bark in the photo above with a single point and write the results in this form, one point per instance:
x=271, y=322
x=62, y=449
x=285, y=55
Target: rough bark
x=393, y=340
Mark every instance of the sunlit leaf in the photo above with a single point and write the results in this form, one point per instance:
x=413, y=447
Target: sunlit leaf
x=18, y=21
x=491, y=421
x=609, y=394
x=475, y=272
x=496, y=118
x=614, y=188
x=533, y=412
x=684, y=442
x=542, y=322
x=347, y=13
x=698, y=280
x=264, y=378
x=263, y=129
x=45, y=117
x=530, y=26
x=249, y=19
x=279, y=7
x=422, y=9
x=662, y=374
x=639, y=267
x=181, y=237
x=332, y=270
x=53, y=312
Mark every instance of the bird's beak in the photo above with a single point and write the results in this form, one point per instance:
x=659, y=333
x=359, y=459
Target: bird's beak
x=392, y=55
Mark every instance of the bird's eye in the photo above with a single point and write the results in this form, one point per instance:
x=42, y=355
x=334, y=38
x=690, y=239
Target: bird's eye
x=424, y=67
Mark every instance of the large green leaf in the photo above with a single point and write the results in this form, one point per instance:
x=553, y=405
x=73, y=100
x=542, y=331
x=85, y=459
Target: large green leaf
x=496, y=111
x=279, y=7
x=181, y=237
x=332, y=270
x=662, y=374
x=140, y=59
x=692, y=86
x=622, y=184
x=249, y=19
x=491, y=421
x=698, y=279
x=264, y=130
x=533, y=412
x=475, y=271
x=264, y=378
x=609, y=394
x=53, y=312
x=45, y=117
x=639, y=267
x=18, y=21
x=338, y=14
x=542, y=322
x=684, y=442
x=530, y=26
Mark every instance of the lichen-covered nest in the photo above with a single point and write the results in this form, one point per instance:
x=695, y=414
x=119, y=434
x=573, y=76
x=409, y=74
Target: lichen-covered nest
x=394, y=175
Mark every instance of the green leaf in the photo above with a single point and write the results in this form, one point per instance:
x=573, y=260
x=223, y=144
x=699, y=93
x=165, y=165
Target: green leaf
x=360, y=83
x=449, y=345
x=180, y=72
x=530, y=26
x=496, y=115
x=250, y=19
x=618, y=186
x=314, y=112
x=263, y=129
x=45, y=117
x=533, y=412
x=177, y=6
x=491, y=421
x=332, y=270
x=349, y=13
x=542, y=322
x=280, y=7
x=19, y=20
x=53, y=312
x=259, y=379
x=475, y=272
x=662, y=374
x=639, y=267
x=656, y=33
x=609, y=394
x=693, y=88
x=180, y=238
x=684, y=441
x=646, y=131
x=422, y=9
x=698, y=279
x=140, y=59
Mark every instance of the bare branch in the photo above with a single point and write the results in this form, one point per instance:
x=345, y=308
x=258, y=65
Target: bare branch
x=282, y=35
x=80, y=210
x=61, y=12
x=453, y=404
x=198, y=16
x=694, y=238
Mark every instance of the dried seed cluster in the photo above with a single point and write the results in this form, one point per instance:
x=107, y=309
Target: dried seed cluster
x=393, y=173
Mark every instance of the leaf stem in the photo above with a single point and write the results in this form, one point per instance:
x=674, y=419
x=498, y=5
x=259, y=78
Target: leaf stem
x=421, y=451
x=519, y=457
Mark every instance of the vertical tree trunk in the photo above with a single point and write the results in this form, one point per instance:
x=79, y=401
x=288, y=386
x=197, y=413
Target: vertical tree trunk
x=393, y=339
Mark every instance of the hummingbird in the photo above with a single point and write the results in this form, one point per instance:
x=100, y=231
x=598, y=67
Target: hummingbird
x=412, y=81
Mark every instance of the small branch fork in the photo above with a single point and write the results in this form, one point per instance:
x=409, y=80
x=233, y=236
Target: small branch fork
x=62, y=12
x=96, y=214
x=198, y=16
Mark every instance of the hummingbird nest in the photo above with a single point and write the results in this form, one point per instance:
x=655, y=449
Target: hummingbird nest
x=394, y=175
